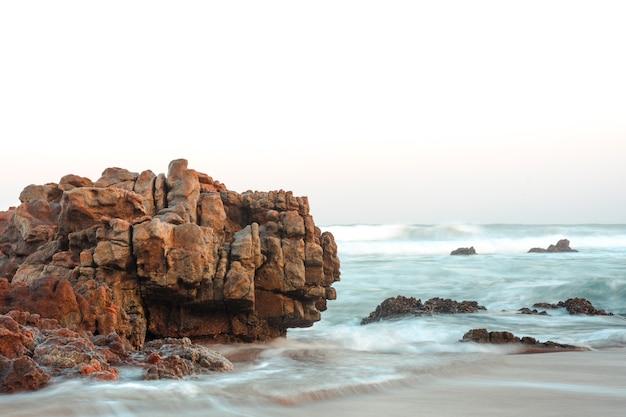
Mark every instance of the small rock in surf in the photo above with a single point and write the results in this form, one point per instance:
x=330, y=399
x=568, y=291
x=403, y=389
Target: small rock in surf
x=561, y=246
x=464, y=251
x=576, y=306
x=526, y=344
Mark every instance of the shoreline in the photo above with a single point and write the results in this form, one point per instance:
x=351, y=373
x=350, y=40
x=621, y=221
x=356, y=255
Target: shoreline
x=576, y=384
x=550, y=384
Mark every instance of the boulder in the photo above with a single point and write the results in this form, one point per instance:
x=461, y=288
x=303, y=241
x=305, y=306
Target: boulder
x=400, y=306
x=464, y=251
x=118, y=178
x=71, y=181
x=575, y=306
x=562, y=245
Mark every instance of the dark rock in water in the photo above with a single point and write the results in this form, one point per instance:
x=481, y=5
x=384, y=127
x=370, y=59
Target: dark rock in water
x=575, y=306
x=561, y=246
x=582, y=306
x=394, y=307
x=526, y=344
x=464, y=251
x=534, y=312
x=447, y=306
x=545, y=305
x=401, y=306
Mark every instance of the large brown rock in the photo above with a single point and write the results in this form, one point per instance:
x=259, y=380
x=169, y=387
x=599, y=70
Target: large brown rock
x=147, y=256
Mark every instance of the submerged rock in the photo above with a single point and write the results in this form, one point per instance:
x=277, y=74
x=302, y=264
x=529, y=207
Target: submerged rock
x=401, y=306
x=526, y=344
x=464, y=251
x=575, y=306
x=176, y=358
x=534, y=312
x=562, y=245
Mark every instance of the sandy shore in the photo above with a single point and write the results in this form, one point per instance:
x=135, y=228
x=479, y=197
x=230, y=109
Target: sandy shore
x=554, y=384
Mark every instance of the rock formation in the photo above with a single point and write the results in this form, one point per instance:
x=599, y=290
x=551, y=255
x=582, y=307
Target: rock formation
x=401, y=306
x=464, y=251
x=533, y=312
x=575, y=306
x=148, y=256
x=34, y=349
x=561, y=246
x=525, y=344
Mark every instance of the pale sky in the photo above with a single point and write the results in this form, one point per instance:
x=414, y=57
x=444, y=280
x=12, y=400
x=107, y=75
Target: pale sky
x=380, y=112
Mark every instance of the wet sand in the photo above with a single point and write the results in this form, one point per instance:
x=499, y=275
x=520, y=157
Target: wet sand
x=572, y=384
x=554, y=384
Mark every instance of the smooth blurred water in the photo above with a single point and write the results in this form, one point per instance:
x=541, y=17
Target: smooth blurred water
x=338, y=356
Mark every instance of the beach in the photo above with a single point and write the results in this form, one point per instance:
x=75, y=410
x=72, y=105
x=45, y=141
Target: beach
x=410, y=365
x=554, y=384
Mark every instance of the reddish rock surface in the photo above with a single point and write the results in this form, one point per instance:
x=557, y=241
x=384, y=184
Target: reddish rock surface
x=149, y=256
x=401, y=306
x=525, y=344
x=97, y=268
x=34, y=349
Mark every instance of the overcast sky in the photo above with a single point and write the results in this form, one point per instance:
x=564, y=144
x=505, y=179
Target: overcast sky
x=380, y=112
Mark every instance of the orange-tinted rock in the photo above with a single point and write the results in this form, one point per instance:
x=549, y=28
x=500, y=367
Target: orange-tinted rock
x=71, y=181
x=15, y=341
x=118, y=178
x=89, y=206
x=166, y=256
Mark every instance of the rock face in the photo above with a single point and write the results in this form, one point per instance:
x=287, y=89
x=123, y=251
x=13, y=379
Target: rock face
x=561, y=246
x=149, y=256
x=575, y=306
x=526, y=344
x=464, y=251
x=401, y=306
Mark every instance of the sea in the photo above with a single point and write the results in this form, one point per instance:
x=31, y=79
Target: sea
x=339, y=357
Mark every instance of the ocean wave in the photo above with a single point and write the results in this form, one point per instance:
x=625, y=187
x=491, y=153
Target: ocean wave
x=487, y=239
